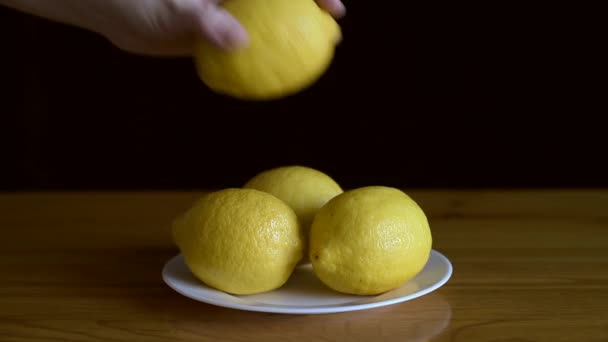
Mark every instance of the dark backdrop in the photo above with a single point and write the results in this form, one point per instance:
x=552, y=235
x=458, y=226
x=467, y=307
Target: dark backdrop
x=448, y=97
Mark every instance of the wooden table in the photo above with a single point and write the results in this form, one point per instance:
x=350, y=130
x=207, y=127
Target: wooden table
x=528, y=266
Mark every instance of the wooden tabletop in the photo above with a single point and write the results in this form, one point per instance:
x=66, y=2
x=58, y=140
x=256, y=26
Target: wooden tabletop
x=528, y=266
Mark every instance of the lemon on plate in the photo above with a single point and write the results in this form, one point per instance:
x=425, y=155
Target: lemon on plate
x=291, y=45
x=240, y=241
x=369, y=240
x=303, y=188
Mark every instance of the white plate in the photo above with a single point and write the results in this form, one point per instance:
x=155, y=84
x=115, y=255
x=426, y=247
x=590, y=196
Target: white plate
x=304, y=293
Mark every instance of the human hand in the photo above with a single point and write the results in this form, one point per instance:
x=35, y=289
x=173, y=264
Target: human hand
x=171, y=27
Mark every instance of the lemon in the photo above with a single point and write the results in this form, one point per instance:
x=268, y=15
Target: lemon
x=291, y=45
x=303, y=188
x=240, y=241
x=369, y=240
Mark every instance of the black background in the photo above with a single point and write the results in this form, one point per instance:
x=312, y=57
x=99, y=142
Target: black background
x=445, y=97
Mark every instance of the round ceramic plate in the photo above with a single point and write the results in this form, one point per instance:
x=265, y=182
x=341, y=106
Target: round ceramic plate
x=304, y=293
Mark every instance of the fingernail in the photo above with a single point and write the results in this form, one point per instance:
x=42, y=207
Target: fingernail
x=234, y=38
x=339, y=10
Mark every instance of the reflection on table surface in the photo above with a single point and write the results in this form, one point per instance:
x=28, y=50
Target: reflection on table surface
x=416, y=320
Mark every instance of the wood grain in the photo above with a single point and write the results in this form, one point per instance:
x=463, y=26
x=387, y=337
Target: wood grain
x=528, y=266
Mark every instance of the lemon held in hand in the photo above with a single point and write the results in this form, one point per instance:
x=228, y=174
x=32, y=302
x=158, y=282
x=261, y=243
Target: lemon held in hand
x=369, y=240
x=240, y=241
x=291, y=45
x=304, y=189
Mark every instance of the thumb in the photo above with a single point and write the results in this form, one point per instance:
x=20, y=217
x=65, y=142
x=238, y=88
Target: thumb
x=220, y=27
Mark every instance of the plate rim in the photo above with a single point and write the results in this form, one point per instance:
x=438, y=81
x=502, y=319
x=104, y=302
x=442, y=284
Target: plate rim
x=336, y=308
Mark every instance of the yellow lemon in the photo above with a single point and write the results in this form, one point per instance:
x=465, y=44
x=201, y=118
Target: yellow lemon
x=240, y=241
x=291, y=45
x=304, y=189
x=369, y=240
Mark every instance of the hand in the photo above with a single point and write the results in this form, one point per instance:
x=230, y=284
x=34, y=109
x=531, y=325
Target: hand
x=170, y=27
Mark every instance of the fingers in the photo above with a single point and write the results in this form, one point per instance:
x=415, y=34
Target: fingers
x=335, y=7
x=223, y=30
x=220, y=27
